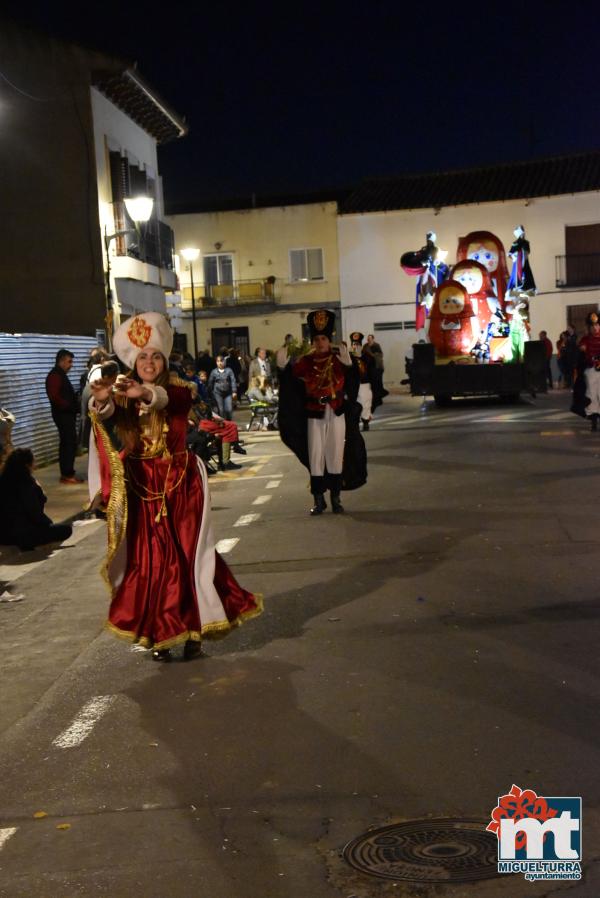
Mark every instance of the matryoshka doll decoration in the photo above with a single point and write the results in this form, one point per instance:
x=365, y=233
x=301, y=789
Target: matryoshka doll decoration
x=475, y=279
x=453, y=329
x=485, y=248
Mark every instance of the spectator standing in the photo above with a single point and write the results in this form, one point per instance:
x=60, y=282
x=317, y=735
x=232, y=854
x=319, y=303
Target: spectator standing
x=232, y=361
x=97, y=357
x=377, y=353
x=23, y=522
x=64, y=406
x=549, y=350
x=260, y=366
x=561, y=345
x=570, y=355
x=205, y=362
x=189, y=375
x=222, y=386
x=243, y=377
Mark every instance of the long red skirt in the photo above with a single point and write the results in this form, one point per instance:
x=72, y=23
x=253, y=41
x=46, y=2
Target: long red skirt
x=160, y=600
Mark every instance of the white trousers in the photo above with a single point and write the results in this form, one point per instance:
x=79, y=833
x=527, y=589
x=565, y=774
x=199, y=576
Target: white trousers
x=365, y=397
x=326, y=443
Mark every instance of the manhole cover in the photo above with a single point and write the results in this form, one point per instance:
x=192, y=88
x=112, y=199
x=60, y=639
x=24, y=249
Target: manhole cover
x=446, y=850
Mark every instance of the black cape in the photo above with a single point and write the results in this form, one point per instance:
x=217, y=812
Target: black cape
x=293, y=427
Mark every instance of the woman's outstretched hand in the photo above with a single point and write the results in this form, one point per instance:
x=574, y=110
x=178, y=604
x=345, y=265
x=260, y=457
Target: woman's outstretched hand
x=133, y=389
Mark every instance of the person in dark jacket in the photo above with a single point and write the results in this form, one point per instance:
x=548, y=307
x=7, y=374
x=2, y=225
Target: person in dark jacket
x=222, y=386
x=64, y=406
x=23, y=522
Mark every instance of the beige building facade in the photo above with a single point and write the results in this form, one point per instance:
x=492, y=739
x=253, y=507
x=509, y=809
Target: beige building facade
x=259, y=272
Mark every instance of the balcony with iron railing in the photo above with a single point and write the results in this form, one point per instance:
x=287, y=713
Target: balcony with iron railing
x=579, y=270
x=259, y=291
x=152, y=242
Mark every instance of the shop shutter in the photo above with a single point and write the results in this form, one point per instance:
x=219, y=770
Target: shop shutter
x=25, y=360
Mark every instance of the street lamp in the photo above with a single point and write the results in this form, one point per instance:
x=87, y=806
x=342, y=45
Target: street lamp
x=139, y=209
x=190, y=254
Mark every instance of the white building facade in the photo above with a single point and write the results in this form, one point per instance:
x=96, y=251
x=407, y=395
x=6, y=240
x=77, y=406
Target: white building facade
x=139, y=263
x=563, y=231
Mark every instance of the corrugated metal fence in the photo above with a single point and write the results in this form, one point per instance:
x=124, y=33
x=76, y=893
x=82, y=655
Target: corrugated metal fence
x=25, y=360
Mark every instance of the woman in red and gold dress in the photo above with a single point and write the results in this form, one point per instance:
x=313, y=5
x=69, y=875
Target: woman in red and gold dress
x=169, y=584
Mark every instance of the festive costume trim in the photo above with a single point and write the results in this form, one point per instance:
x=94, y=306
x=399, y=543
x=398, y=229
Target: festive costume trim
x=116, y=511
x=214, y=630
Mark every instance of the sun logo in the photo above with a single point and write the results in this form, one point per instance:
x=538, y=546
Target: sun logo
x=320, y=320
x=139, y=332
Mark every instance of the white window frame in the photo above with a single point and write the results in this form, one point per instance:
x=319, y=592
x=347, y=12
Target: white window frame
x=305, y=250
x=229, y=255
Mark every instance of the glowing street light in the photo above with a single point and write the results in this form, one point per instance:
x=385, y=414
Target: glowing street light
x=139, y=209
x=191, y=254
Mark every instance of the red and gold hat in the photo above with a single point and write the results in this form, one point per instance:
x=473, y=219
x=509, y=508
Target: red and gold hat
x=321, y=321
x=147, y=329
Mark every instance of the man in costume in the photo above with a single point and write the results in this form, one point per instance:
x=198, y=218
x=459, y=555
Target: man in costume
x=368, y=396
x=318, y=413
x=169, y=585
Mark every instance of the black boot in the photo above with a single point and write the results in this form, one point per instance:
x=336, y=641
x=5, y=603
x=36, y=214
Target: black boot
x=192, y=649
x=365, y=423
x=336, y=505
x=594, y=422
x=320, y=504
x=162, y=655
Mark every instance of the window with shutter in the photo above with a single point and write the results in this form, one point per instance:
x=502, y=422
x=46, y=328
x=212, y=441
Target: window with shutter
x=306, y=265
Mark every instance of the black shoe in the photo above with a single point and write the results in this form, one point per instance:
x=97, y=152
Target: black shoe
x=230, y=466
x=192, y=649
x=320, y=504
x=336, y=505
x=162, y=655
x=239, y=449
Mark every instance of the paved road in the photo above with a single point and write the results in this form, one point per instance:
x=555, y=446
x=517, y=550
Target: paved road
x=417, y=657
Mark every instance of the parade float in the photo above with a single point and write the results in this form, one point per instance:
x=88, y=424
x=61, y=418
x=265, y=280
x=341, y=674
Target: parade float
x=472, y=320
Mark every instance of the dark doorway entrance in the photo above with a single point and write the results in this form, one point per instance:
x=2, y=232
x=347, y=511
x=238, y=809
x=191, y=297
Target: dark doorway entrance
x=576, y=316
x=236, y=337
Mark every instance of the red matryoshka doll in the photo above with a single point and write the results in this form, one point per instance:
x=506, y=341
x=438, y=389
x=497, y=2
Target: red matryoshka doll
x=485, y=248
x=475, y=279
x=453, y=328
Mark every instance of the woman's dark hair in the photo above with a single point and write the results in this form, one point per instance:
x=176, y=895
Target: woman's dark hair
x=16, y=471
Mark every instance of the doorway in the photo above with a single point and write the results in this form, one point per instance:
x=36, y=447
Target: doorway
x=236, y=337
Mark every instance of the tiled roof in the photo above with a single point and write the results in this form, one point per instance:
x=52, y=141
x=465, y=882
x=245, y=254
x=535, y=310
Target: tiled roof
x=127, y=90
x=516, y=180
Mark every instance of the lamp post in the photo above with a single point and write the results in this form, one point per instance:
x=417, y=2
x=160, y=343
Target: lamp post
x=139, y=209
x=190, y=254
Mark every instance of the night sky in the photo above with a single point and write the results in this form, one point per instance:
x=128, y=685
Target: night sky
x=307, y=97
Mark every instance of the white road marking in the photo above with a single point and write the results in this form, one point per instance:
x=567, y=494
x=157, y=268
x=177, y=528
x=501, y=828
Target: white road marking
x=226, y=545
x=246, y=519
x=262, y=500
x=5, y=835
x=272, y=484
x=84, y=722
